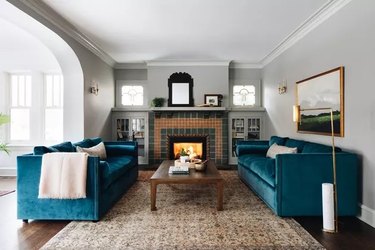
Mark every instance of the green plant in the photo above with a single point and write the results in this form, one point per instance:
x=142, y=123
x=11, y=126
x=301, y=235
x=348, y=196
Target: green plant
x=157, y=102
x=183, y=152
x=3, y=120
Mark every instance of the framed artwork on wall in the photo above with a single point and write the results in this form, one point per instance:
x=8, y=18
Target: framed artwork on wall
x=325, y=90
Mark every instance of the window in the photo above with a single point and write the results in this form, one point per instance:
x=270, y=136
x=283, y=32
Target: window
x=132, y=95
x=243, y=95
x=20, y=107
x=53, y=114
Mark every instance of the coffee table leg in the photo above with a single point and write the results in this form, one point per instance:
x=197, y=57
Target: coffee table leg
x=220, y=189
x=153, y=196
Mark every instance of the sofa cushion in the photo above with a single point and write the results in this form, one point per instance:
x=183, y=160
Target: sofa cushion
x=278, y=140
x=62, y=147
x=97, y=150
x=86, y=143
x=251, y=149
x=311, y=147
x=120, y=150
x=299, y=144
x=114, y=167
x=246, y=160
x=96, y=140
x=276, y=149
x=265, y=169
x=41, y=150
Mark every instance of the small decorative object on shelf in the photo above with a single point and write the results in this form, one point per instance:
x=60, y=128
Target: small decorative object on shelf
x=157, y=102
x=213, y=99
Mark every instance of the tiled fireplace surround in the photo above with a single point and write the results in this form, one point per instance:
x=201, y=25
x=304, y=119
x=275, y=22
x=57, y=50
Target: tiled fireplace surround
x=213, y=124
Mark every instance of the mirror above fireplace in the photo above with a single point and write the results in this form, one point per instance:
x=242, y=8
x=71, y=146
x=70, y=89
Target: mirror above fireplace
x=180, y=87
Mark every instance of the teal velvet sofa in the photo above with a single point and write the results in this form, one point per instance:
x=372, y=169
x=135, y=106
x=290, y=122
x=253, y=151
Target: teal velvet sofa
x=106, y=182
x=291, y=184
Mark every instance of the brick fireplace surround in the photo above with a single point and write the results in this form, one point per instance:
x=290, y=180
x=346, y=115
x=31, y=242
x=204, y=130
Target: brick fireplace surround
x=212, y=124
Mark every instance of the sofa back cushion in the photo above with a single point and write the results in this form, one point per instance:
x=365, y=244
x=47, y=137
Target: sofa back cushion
x=86, y=143
x=278, y=140
x=311, y=147
x=62, y=147
x=299, y=144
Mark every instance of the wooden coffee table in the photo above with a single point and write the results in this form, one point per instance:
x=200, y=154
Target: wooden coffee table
x=209, y=176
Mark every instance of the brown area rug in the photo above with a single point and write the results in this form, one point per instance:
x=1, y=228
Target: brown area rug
x=187, y=219
x=2, y=193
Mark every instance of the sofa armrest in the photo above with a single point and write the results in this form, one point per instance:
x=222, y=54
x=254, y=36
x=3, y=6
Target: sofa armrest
x=30, y=207
x=260, y=149
x=121, y=148
x=299, y=179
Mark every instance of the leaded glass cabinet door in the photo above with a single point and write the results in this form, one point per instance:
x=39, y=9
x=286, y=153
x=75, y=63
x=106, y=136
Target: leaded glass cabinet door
x=243, y=126
x=132, y=126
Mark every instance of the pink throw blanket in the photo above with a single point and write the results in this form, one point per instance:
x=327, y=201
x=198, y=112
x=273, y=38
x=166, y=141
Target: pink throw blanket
x=63, y=176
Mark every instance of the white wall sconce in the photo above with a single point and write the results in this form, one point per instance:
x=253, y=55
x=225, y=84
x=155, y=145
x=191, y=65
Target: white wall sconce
x=282, y=87
x=94, y=88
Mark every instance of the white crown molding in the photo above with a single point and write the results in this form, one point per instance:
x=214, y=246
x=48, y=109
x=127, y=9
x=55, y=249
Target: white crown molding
x=54, y=18
x=244, y=65
x=322, y=14
x=132, y=65
x=172, y=63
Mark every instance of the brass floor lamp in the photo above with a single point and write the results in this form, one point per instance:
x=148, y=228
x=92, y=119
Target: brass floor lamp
x=297, y=118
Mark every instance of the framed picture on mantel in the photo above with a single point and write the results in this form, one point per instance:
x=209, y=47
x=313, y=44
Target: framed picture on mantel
x=213, y=99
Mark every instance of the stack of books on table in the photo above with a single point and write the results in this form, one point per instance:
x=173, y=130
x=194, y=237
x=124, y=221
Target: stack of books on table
x=179, y=170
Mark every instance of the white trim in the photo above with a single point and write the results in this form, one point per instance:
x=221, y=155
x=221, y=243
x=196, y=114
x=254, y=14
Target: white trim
x=367, y=215
x=51, y=16
x=244, y=65
x=132, y=65
x=187, y=63
x=322, y=14
x=8, y=171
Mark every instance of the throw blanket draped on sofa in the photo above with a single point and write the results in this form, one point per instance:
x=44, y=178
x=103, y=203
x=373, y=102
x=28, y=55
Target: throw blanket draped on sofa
x=63, y=176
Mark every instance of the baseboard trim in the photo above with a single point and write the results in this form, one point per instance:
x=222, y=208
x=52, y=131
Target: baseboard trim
x=8, y=172
x=367, y=215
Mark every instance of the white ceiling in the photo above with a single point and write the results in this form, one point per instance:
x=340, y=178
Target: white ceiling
x=138, y=30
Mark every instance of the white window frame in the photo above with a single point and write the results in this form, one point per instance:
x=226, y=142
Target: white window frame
x=121, y=83
x=59, y=106
x=19, y=106
x=255, y=83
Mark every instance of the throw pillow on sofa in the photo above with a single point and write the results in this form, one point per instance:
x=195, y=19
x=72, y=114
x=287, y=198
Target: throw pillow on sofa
x=97, y=150
x=276, y=149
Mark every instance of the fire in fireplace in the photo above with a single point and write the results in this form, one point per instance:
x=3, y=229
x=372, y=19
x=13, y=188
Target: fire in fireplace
x=195, y=146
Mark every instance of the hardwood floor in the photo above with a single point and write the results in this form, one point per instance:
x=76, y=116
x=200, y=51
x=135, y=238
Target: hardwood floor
x=14, y=234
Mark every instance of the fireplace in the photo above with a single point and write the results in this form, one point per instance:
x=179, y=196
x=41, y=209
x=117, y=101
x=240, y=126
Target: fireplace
x=196, y=146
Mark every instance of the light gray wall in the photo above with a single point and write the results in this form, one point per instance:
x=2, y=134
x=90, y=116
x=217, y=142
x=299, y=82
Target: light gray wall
x=347, y=39
x=131, y=74
x=207, y=80
x=245, y=74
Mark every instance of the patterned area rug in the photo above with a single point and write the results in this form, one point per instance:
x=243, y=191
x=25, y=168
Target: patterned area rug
x=187, y=219
x=2, y=192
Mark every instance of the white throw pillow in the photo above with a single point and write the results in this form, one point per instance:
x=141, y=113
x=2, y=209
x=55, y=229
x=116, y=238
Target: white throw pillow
x=276, y=149
x=97, y=150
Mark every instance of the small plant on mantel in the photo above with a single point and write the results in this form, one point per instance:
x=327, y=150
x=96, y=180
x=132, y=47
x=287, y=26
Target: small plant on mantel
x=3, y=120
x=157, y=102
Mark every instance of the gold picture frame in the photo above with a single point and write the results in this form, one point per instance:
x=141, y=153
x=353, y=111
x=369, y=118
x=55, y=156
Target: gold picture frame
x=325, y=90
